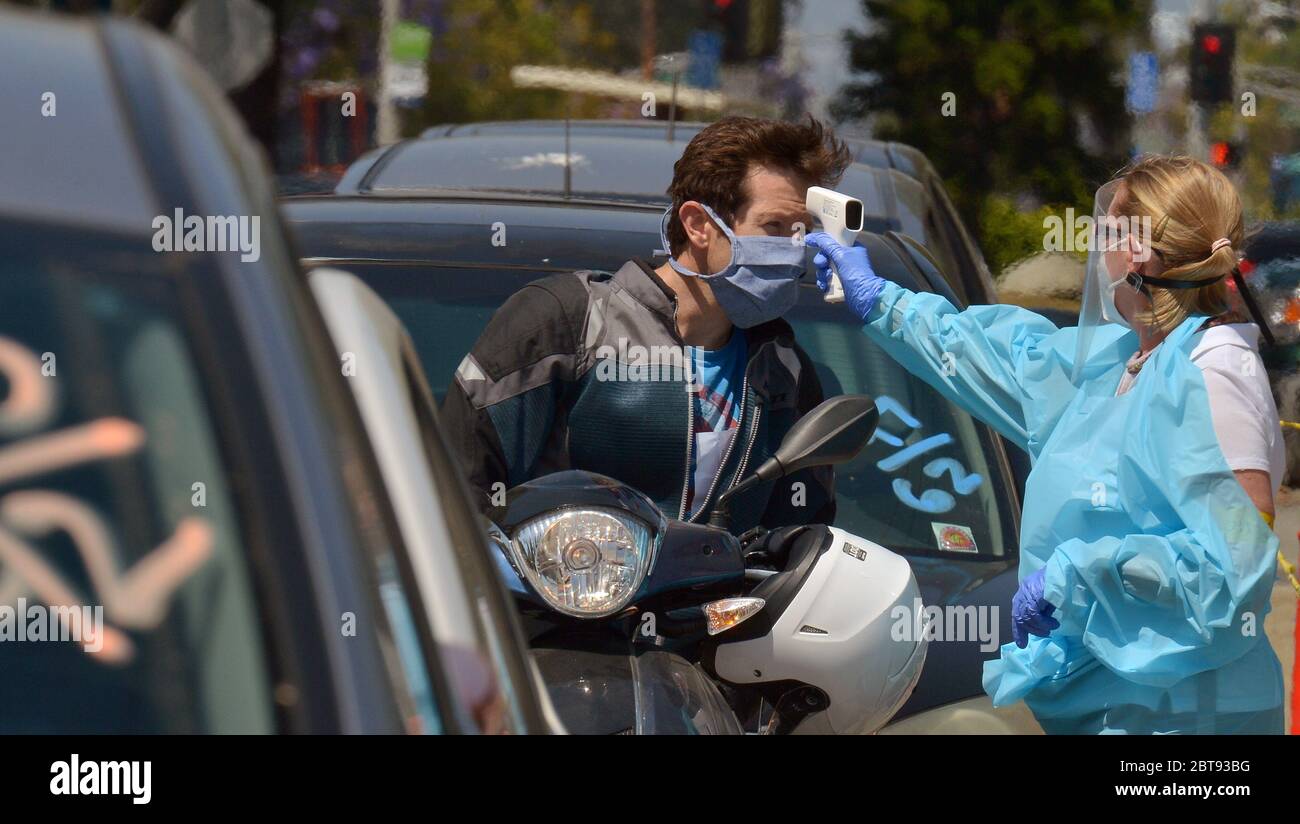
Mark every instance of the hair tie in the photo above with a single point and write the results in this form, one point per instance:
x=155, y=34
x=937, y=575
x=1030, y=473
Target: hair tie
x=1219, y=244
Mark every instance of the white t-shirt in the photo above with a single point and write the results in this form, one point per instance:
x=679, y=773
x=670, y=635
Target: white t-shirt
x=1241, y=401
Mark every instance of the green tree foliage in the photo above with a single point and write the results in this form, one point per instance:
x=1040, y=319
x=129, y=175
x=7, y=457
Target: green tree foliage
x=1009, y=234
x=1037, y=94
x=1269, y=129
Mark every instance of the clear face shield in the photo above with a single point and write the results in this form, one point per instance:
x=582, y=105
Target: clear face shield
x=1114, y=288
x=1116, y=247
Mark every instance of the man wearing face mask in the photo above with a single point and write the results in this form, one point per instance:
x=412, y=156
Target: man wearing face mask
x=674, y=378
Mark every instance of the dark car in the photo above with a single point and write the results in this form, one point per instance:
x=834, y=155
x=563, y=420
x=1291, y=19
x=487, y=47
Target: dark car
x=446, y=263
x=178, y=448
x=1271, y=266
x=633, y=160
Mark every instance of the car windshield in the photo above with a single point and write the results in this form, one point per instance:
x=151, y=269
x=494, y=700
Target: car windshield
x=925, y=483
x=118, y=527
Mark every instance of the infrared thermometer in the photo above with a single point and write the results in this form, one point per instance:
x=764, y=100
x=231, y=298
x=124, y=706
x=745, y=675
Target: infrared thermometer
x=841, y=218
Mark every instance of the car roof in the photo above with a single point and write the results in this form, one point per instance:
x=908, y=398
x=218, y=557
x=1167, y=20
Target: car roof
x=547, y=137
x=597, y=166
x=878, y=153
x=602, y=169
x=682, y=130
x=71, y=156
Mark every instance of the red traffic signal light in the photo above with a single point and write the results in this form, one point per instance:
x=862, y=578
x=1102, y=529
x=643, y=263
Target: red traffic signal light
x=1225, y=155
x=1210, y=63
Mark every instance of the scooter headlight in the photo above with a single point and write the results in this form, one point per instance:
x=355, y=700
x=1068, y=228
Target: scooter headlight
x=585, y=562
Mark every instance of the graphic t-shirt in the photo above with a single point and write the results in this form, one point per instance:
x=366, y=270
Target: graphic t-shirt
x=719, y=376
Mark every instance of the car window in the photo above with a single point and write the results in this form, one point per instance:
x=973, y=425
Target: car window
x=422, y=714
x=924, y=261
x=928, y=480
x=444, y=308
x=113, y=495
x=927, y=483
x=964, y=255
x=893, y=201
x=917, y=211
x=875, y=189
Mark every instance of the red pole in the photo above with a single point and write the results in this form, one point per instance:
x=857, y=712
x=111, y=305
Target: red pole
x=1295, y=674
x=1295, y=668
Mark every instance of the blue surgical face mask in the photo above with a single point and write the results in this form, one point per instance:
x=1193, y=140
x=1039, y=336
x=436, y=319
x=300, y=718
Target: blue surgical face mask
x=762, y=281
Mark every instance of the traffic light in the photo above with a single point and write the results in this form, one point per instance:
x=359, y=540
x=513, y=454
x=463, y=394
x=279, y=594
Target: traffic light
x=751, y=29
x=1213, y=48
x=1225, y=155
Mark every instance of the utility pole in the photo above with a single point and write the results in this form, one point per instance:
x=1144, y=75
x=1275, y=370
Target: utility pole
x=1198, y=145
x=387, y=129
x=647, y=39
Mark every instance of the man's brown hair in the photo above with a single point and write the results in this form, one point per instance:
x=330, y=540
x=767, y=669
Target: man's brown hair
x=716, y=162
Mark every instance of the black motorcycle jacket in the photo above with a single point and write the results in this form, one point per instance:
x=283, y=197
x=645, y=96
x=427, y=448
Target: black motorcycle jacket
x=581, y=371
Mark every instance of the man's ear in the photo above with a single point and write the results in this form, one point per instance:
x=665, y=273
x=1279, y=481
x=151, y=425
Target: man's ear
x=699, y=227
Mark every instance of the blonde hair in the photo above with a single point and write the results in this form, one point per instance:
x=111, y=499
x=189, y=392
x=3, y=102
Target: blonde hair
x=1191, y=205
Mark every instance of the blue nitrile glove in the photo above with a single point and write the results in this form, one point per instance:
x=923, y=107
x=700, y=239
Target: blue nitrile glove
x=1030, y=612
x=862, y=287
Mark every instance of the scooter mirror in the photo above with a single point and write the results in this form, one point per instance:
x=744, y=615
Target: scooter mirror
x=833, y=432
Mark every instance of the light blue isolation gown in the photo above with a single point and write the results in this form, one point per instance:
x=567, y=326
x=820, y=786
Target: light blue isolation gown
x=1158, y=561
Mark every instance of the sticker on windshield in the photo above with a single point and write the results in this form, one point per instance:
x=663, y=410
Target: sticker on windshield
x=953, y=537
